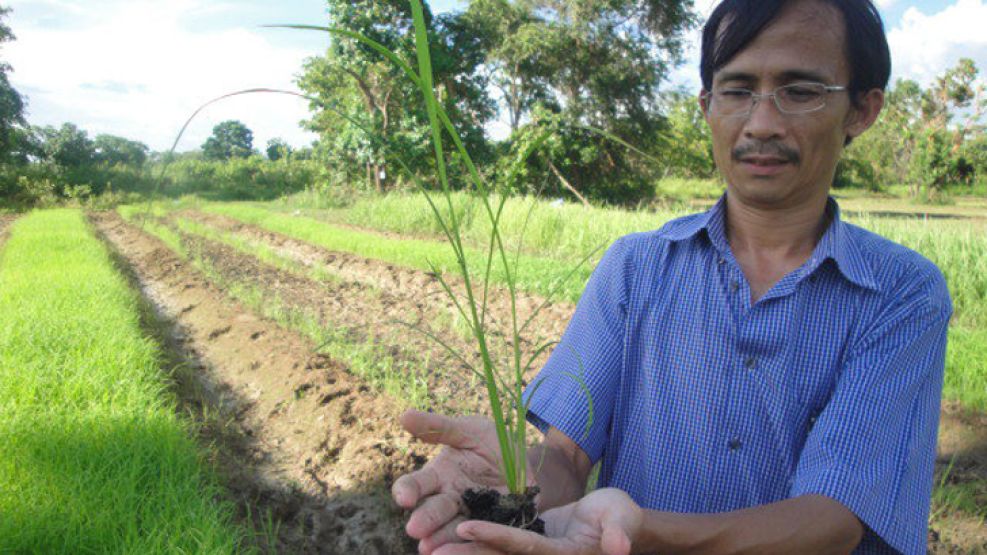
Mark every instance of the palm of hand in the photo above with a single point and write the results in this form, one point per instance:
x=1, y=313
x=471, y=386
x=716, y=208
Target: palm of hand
x=603, y=522
x=466, y=468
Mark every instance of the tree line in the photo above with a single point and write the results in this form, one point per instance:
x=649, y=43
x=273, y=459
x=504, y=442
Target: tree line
x=559, y=75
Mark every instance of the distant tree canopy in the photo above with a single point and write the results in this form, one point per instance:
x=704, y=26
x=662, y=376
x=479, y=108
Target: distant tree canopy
x=558, y=66
x=66, y=146
x=230, y=139
x=111, y=149
x=925, y=138
x=354, y=84
x=13, y=133
x=277, y=149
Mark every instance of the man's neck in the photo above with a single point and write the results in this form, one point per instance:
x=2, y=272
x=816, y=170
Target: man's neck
x=770, y=243
x=783, y=231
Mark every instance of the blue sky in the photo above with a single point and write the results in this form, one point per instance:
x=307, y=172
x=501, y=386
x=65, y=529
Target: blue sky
x=138, y=68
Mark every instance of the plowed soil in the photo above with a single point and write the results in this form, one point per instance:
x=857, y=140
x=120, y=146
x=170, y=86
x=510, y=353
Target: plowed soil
x=315, y=446
x=310, y=449
x=371, y=299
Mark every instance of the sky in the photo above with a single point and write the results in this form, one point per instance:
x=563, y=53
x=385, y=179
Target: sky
x=140, y=68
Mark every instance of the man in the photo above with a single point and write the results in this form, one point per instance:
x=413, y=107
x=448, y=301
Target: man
x=766, y=378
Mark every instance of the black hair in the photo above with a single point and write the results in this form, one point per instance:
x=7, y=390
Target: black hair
x=866, y=43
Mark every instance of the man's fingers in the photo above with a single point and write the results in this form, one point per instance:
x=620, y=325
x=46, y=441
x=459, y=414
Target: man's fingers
x=436, y=428
x=434, y=513
x=504, y=539
x=614, y=540
x=442, y=536
x=411, y=488
x=468, y=549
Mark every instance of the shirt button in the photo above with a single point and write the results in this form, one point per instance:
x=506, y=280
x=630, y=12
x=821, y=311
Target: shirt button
x=721, y=261
x=751, y=363
x=735, y=444
x=734, y=285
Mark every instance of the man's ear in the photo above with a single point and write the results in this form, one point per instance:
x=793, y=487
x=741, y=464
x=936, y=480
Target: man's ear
x=864, y=112
x=704, y=102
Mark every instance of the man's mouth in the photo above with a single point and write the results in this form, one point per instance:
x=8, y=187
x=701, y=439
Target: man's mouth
x=764, y=160
x=764, y=166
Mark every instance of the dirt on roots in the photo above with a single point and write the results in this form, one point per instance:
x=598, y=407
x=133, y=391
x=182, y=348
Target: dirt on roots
x=308, y=434
x=308, y=450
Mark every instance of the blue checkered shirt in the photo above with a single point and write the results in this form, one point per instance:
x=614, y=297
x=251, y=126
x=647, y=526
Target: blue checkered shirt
x=829, y=384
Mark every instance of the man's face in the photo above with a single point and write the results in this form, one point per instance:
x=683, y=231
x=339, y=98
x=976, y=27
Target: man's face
x=772, y=159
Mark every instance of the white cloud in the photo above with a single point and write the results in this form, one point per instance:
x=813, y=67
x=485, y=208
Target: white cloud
x=136, y=69
x=885, y=4
x=923, y=46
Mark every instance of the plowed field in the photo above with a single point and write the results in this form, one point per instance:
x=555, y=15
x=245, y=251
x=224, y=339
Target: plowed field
x=301, y=359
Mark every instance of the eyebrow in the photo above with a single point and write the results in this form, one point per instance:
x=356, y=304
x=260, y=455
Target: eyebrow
x=789, y=75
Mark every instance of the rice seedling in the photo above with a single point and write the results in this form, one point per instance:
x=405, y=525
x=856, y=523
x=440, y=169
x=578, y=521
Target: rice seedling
x=504, y=386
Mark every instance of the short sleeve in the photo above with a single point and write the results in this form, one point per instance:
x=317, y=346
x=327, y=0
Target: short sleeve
x=592, y=348
x=872, y=447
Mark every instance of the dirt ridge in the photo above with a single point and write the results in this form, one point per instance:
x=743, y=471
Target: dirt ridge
x=309, y=446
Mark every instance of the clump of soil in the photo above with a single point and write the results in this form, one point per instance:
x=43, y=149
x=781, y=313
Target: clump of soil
x=512, y=509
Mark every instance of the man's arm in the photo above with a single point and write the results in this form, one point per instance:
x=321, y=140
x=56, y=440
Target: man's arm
x=811, y=524
x=807, y=524
x=561, y=470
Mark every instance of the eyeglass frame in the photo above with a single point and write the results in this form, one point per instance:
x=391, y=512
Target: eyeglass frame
x=755, y=98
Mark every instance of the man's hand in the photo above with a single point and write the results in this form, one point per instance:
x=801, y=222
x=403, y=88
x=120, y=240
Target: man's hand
x=471, y=459
x=602, y=523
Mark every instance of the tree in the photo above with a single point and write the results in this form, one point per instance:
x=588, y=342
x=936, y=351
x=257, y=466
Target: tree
x=67, y=147
x=688, y=147
x=230, y=139
x=110, y=149
x=354, y=80
x=12, y=124
x=592, y=63
x=277, y=149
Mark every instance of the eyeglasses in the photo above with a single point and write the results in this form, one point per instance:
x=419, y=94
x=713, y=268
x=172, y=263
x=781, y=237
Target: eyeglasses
x=797, y=98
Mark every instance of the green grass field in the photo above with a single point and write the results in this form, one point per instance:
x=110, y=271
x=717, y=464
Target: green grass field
x=94, y=457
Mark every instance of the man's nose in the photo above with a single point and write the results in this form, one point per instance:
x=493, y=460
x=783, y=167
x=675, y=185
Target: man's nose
x=765, y=120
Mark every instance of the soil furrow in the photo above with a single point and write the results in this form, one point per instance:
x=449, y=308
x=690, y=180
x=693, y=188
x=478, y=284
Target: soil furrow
x=311, y=451
x=370, y=299
x=400, y=281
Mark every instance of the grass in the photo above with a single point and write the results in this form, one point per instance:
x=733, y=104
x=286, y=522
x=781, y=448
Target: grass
x=95, y=459
x=400, y=379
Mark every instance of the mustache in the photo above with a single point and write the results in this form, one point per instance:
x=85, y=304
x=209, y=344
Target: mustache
x=767, y=148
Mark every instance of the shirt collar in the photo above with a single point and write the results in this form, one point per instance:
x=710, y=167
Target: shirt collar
x=837, y=243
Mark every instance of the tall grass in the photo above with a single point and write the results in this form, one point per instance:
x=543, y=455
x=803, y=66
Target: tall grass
x=554, y=230
x=94, y=457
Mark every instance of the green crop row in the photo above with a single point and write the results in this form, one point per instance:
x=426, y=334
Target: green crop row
x=535, y=274
x=95, y=458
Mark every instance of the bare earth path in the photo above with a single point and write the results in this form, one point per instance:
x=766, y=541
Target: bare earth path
x=309, y=443
x=5, y=221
